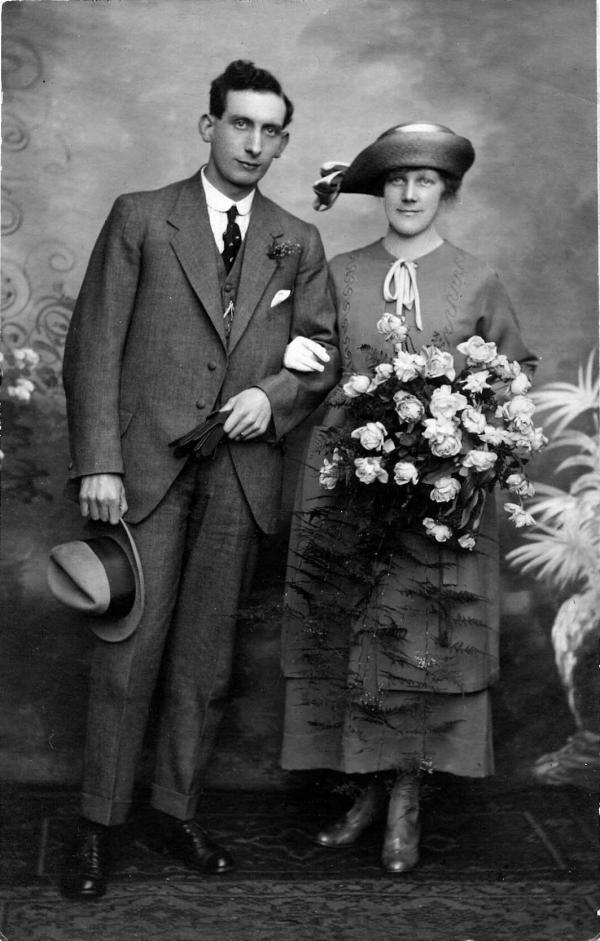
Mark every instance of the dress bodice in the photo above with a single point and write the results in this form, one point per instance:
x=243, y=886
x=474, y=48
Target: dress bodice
x=460, y=296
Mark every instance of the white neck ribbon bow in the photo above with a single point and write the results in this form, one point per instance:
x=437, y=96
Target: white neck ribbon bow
x=400, y=285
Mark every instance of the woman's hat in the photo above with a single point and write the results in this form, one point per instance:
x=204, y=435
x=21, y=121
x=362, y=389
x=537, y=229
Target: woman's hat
x=100, y=576
x=405, y=145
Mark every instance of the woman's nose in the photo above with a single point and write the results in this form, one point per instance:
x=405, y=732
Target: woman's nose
x=409, y=192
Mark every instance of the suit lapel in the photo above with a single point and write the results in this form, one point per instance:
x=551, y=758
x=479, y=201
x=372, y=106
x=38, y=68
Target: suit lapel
x=257, y=267
x=194, y=245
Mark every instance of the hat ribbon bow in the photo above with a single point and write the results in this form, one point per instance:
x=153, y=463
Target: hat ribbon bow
x=327, y=188
x=400, y=285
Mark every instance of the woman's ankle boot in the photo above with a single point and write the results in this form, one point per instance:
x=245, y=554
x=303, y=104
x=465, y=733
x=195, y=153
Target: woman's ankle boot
x=368, y=807
x=403, y=828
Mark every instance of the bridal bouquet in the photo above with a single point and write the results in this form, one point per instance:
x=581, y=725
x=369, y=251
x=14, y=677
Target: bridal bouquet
x=424, y=446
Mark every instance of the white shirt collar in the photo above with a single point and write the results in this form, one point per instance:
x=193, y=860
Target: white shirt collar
x=217, y=200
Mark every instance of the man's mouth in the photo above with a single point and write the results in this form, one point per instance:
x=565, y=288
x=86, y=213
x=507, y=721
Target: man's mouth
x=249, y=166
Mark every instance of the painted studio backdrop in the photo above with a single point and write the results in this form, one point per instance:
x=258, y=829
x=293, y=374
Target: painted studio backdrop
x=103, y=98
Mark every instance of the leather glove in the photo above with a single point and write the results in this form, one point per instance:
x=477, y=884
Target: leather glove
x=201, y=441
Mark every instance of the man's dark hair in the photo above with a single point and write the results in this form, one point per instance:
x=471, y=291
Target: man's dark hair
x=242, y=75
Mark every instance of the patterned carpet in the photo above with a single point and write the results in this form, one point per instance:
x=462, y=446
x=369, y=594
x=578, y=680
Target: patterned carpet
x=495, y=866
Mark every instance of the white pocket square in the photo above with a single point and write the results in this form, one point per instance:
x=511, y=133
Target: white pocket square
x=280, y=297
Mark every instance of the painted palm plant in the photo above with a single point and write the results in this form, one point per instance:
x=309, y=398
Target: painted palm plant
x=563, y=548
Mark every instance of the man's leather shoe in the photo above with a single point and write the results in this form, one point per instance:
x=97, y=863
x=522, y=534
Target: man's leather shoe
x=87, y=862
x=186, y=840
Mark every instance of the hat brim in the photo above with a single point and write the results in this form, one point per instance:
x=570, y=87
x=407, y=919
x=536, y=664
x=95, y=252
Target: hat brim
x=117, y=629
x=438, y=150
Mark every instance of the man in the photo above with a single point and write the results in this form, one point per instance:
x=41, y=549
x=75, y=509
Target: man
x=187, y=307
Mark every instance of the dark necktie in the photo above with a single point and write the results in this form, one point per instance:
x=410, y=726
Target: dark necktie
x=232, y=239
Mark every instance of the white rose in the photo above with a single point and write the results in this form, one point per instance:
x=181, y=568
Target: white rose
x=444, y=489
x=438, y=363
x=383, y=372
x=408, y=366
x=505, y=368
x=439, y=531
x=445, y=439
x=477, y=381
x=371, y=436
x=495, y=436
x=519, y=407
x=405, y=472
x=477, y=351
x=480, y=460
x=518, y=483
x=467, y=541
x=474, y=421
x=356, y=385
x=408, y=407
x=538, y=440
x=520, y=384
x=369, y=469
x=445, y=403
x=518, y=515
x=392, y=328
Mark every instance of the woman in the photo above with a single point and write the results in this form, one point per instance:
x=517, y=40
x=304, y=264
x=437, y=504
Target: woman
x=387, y=685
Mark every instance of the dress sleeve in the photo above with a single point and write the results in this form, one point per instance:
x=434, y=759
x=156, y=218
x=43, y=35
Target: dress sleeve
x=498, y=322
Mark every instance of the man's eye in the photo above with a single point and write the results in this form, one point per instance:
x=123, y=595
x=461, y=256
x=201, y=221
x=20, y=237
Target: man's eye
x=271, y=131
x=240, y=123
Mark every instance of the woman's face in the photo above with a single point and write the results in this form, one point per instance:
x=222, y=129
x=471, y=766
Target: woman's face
x=411, y=199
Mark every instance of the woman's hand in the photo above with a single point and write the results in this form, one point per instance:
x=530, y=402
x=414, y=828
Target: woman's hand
x=305, y=355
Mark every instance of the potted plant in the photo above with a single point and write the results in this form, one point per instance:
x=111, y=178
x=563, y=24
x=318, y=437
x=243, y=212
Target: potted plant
x=563, y=548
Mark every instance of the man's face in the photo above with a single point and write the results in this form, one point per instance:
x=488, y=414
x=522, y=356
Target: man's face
x=244, y=141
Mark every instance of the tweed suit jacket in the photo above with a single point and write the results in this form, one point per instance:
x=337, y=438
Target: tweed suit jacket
x=146, y=356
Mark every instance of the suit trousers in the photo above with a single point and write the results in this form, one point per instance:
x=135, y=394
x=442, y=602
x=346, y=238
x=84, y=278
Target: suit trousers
x=198, y=550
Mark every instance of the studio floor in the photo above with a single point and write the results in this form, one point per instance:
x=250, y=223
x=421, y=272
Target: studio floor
x=496, y=865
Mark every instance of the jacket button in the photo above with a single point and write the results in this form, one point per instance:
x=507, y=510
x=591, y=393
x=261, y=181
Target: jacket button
x=200, y=403
x=212, y=365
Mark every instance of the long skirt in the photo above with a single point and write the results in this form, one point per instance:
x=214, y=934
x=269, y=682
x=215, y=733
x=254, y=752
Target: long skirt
x=398, y=682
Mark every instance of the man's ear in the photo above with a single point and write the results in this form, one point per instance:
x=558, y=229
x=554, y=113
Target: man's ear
x=285, y=139
x=206, y=127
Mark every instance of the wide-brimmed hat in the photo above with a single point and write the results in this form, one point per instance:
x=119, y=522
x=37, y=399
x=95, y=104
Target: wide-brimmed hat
x=417, y=144
x=100, y=576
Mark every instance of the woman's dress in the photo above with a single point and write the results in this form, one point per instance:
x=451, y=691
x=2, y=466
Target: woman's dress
x=401, y=682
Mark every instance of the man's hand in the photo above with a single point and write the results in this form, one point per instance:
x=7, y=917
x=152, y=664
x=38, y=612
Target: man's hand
x=305, y=355
x=102, y=497
x=250, y=414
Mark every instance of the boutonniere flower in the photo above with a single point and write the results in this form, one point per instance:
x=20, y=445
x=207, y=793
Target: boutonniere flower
x=279, y=249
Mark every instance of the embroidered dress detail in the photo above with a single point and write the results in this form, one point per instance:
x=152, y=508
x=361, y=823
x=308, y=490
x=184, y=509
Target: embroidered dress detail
x=400, y=285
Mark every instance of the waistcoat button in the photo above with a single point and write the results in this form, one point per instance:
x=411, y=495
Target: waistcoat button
x=212, y=365
x=228, y=286
x=200, y=403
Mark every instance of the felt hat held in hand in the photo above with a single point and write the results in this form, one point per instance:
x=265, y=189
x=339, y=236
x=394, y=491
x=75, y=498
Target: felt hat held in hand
x=100, y=576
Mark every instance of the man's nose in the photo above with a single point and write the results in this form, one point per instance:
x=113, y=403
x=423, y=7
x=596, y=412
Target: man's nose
x=254, y=142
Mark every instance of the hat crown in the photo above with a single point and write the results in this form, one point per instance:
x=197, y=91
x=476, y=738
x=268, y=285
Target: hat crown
x=418, y=127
